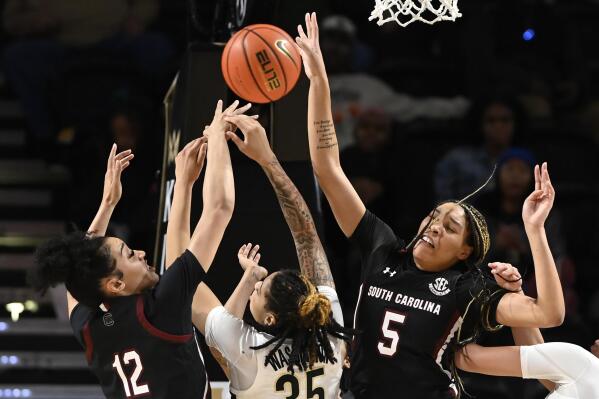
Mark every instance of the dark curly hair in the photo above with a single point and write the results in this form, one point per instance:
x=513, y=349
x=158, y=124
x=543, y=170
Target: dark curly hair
x=304, y=316
x=80, y=260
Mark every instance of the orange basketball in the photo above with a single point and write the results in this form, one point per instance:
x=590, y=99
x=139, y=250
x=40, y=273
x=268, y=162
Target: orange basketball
x=260, y=63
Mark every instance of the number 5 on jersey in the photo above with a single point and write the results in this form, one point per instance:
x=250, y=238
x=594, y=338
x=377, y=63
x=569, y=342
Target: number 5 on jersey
x=127, y=357
x=388, y=345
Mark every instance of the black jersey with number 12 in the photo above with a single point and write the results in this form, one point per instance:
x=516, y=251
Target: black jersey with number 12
x=132, y=357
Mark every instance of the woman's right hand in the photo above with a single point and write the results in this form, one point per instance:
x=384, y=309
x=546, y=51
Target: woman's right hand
x=309, y=48
x=506, y=276
x=190, y=161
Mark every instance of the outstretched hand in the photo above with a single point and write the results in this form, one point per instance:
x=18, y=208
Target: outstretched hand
x=254, y=144
x=537, y=206
x=309, y=48
x=248, y=259
x=116, y=164
x=219, y=124
x=190, y=161
x=506, y=276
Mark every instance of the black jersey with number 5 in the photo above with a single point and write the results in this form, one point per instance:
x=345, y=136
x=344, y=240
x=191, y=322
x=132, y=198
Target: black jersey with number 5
x=408, y=317
x=130, y=355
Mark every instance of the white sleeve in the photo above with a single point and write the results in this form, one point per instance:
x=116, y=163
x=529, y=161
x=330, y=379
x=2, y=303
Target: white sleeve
x=330, y=293
x=230, y=335
x=234, y=339
x=559, y=362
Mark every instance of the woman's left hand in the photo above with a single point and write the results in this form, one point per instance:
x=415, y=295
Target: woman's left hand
x=248, y=259
x=539, y=203
x=507, y=276
x=112, y=179
x=255, y=143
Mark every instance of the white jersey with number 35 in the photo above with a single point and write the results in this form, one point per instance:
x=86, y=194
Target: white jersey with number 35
x=251, y=378
x=574, y=370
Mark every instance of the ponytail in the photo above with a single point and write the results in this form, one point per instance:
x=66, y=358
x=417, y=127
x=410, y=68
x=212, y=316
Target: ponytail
x=305, y=317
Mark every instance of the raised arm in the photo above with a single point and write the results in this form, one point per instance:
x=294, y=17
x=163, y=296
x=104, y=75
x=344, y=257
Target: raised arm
x=188, y=166
x=548, y=309
x=310, y=253
x=110, y=197
x=501, y=361
x=112, y=190
x=218, y=191
x=252, y=273
x=347, y=206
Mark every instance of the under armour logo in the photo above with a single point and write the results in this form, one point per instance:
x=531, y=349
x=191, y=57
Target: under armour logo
x=388, y=270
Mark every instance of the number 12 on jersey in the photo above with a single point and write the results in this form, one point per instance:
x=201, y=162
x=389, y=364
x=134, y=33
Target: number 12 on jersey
x=388, y=345
x=128, y=357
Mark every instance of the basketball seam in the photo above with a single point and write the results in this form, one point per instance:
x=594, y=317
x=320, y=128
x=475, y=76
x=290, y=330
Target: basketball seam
x=233, y=85
x=274, y=30
x=247, y=61
x=276, y=56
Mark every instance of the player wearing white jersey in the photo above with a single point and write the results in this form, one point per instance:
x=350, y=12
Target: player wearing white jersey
x=566, y=370
x=296, y=348
x=253, y=374
x=572, y=370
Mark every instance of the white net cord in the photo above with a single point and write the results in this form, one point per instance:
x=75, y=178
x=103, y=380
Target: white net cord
x=404, y=12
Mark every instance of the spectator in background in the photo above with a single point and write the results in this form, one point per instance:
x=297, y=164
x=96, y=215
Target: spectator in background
x=48, y=32
x=133, y=124
x=465, y=168
x=352, y=91
x=369, y=162
x=502, y=208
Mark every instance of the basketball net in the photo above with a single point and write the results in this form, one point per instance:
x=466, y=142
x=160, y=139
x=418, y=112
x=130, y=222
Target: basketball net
x=404, y=12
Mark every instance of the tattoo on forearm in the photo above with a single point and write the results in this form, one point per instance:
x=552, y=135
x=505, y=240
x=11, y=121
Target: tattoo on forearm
x=310, y=253
x=325, y=132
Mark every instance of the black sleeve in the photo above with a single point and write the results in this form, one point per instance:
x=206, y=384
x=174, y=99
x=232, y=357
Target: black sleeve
x=79, y=316
x=169, y=308
x=473, y=290
x=375, y=239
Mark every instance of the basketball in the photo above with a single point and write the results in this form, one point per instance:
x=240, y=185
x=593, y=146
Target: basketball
x=260, y=63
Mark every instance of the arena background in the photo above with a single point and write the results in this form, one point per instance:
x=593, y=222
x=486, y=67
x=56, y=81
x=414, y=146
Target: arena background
x=146, y=74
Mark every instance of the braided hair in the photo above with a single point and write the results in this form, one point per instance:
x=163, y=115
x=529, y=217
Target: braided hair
x=79, y=260
x=304, y=316
x=477, y=237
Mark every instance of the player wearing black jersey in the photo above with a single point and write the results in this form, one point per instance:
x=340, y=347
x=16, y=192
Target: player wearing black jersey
x=415, y=298
x=134, y=326
x=298, y=348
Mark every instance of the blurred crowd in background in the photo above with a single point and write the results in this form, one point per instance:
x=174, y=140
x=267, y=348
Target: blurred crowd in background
x=512, y=83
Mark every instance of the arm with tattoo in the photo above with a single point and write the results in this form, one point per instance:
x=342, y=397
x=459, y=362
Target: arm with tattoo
x=310, y=253
x=346, y=204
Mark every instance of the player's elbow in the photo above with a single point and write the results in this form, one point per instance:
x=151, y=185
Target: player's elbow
x=461, y=362
x=463, y=358
x=556, y=318
x=326, y=171
x=553, y=318
x=224, y=207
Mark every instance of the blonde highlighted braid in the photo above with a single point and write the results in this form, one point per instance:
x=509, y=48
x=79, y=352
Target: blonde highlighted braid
x=304, y=316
